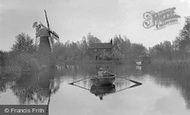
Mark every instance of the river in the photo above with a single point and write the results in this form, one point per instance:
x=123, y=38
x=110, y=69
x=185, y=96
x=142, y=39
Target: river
x=161, y=90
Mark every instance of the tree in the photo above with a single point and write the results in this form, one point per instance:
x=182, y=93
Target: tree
x=2, y=58
x=137, y=50
x=164, y=50
x=23, y=43
x=120, y=47
x=123, y=48
x=84, y=46
x=182, y=42
x=92, y=39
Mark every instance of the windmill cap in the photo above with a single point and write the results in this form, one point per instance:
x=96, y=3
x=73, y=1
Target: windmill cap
x=35, y=24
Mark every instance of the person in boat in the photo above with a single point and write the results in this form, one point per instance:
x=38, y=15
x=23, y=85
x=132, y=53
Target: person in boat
x=101, y=72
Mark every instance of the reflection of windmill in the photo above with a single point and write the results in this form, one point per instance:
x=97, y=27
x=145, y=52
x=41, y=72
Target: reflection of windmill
x=46, y=36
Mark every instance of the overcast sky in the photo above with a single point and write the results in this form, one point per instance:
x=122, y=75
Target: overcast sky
x=73, y=19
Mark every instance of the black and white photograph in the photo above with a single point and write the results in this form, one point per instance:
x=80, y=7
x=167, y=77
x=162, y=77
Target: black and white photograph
x=94, y=57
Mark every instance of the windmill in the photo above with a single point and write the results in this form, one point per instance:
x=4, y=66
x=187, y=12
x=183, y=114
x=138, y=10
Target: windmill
x=45, y=34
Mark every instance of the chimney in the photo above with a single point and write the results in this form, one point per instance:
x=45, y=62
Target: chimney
x=111, y=42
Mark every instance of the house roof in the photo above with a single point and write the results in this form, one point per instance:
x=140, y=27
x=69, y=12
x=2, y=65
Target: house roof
x=101, y=46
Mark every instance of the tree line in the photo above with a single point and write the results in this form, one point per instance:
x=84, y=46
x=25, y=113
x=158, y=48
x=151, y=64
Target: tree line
x=179, y=49
x=123, y=49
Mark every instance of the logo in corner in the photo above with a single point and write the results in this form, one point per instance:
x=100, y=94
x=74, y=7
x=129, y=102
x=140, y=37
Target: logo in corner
x=160, y=19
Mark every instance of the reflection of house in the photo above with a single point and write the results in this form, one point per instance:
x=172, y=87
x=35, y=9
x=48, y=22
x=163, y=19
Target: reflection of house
x=101, y=51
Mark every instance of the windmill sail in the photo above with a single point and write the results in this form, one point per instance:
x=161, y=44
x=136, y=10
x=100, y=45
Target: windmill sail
x=47, y=19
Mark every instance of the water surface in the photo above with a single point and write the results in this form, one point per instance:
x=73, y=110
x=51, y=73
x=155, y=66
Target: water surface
x=163, y=91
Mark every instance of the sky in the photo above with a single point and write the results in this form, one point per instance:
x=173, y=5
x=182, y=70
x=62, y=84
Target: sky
x=73, y=19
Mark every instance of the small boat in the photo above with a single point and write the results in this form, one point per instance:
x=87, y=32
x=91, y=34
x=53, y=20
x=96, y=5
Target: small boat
x=106, y=78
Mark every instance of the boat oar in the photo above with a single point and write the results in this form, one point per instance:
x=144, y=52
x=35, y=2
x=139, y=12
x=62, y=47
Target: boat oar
x=122, y=89
x=135, y=85
x=79, y=80
x=136, y=82
x=80, y=86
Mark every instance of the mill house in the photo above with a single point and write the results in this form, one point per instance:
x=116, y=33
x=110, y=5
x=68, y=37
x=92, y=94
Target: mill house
x=101, y=51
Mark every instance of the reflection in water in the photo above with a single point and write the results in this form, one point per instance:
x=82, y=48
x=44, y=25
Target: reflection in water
x=99, y=90
x=31, y=87
x=175, y=74
x=106, y=85
x=36, y=87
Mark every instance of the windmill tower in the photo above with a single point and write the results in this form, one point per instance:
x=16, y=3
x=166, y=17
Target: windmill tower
x=45, y=47
x=46, y=36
